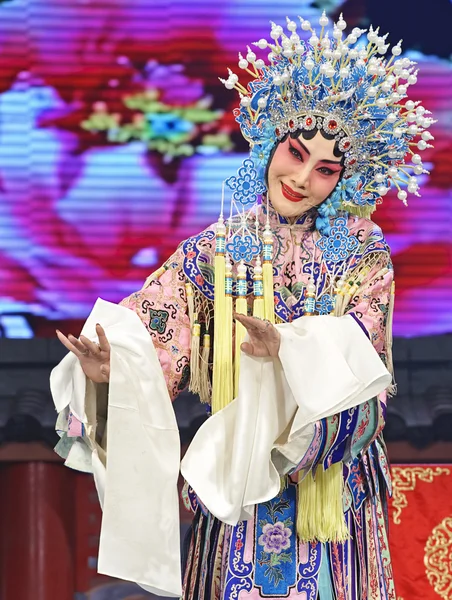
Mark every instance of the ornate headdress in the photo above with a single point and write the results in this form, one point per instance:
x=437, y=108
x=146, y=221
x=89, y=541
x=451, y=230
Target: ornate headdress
x=346, y=87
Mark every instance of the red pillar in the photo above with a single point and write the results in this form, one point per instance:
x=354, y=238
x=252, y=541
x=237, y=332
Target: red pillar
x=36, y=532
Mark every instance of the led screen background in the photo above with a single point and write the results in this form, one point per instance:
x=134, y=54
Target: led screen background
x=82, y=218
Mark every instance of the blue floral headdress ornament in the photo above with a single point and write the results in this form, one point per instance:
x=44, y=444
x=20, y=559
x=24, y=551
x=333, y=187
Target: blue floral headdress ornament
x=345, y=86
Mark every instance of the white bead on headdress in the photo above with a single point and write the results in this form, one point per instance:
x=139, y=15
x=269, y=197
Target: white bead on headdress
x=346, y=87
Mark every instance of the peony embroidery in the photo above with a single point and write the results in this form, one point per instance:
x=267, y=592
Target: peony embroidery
x=275, y=537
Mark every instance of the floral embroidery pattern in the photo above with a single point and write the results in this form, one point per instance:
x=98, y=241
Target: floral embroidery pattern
x=325, y=305
x=243, y=247
x=339, y=244
x=275, y=537
x=276, y=561
x=247, y=184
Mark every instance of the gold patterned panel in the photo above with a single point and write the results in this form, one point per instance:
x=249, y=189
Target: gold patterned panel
x=437, y=559
x=404, y=480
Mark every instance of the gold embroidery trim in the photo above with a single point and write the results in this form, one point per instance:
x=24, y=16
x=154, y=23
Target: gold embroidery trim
x=438, y=551
x=404, y=480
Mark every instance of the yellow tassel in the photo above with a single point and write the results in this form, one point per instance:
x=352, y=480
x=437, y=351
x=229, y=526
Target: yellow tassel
x=228, y=378
x=205, y=387
x=220, y=343
x=241, y=307
x=390, y=366
x=195, y=374
x=320, y=506
x=269, y=300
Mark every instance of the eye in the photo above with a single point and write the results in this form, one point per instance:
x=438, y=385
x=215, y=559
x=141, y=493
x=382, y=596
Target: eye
x=326, y=171
x=295, y=152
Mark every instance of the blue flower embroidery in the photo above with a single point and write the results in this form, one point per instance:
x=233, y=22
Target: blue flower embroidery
x=243, y=247
x=325, y=305
x=247, y=185
x=338, y=244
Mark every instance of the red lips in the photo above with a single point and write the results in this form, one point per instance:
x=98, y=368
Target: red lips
x=288, y=193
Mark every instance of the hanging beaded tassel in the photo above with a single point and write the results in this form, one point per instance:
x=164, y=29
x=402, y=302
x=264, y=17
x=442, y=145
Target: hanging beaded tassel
x=195, y=355
x=205, y=389
x=269, y=301
x=241, y=308
x=258, y=290
x=222, y=361
x=309, y=302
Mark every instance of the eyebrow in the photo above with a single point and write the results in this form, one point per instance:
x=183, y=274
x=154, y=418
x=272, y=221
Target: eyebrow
x=330, y=162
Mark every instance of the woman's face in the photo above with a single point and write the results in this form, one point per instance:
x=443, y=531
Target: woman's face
x=302, y=174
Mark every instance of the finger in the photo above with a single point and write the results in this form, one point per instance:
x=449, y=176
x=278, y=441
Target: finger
x=103, y=341
x=105, y=370
x=64, y=340
x=78, y=344
x=91, y=346
x=251, y=323
x=247, y=348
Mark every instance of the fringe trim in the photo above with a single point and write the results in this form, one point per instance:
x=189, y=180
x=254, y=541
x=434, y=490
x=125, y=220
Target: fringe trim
x=320, y=506
x=222, y=354
x=259, y=308
x=195, y=355
x=241, y=307
x=269, y=299
x=205, y=388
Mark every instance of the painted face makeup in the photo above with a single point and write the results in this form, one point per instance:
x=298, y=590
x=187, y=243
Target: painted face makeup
x=302, y=174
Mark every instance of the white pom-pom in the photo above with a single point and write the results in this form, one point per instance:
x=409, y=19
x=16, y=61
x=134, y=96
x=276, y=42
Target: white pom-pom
x=412, y=129
x=386, y=87
x=243, y=64
x=402, y=195
x=337, y=33
x=380, y=177
x=353, y=54
x=418, y=169
x=262, y=102
x=392, y=118
x=288, y=53
x=398, y=132
x=409, y=105
x=245, y=101
x=422, y=144
x=416, y=159
x=277, y=80
x=330, y=72
x=427, y=136
x=372, y=91
x=382, y=190
x=328, y=54
x=412, y=79
x=313, y=40
x=259, y=64
x=305, y=25
x=344, y=72
x=392, y=171
x=372, y=70
x=341, y=24
x=323, y=21
x=270, y=56
x=233, y=78
x=250, y=57
x=420, y=110
x=276, y=32
x=309, y=64
x=262, y=44
x=401, y=89
x=381, y=102
x=291, y=25
x=397, y=50
x=352, y=39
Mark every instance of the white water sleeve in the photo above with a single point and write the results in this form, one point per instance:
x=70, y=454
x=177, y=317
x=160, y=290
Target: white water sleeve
x=138, y=490
x=326, y=365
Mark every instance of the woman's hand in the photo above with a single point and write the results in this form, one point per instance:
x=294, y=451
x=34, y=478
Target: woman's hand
x=264, y=338
x=94, y=358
